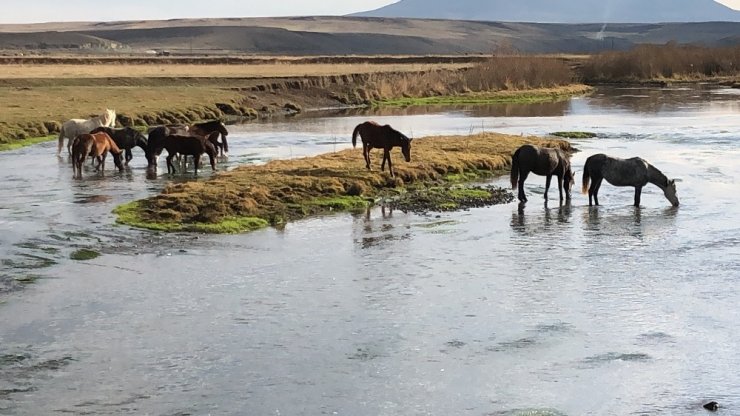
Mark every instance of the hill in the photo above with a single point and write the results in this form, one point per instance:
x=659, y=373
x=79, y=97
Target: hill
x=352, y=36
x=562, y=11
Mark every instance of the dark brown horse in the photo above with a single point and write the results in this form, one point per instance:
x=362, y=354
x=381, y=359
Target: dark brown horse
x=212, y=130
x=635, y=172
x=375, y=136
x=183, y=145
x=541, y=161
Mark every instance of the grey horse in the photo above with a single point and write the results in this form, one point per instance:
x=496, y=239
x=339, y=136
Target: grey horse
x=635, y=172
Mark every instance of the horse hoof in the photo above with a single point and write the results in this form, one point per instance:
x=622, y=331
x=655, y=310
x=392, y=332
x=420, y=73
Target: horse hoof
x=712, y=406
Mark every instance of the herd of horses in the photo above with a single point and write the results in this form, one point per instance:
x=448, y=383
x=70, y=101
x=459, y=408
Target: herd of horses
x=548, y=162
x=96, y=137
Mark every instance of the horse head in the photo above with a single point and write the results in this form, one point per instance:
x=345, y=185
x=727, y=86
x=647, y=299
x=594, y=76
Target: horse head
x=222, y=128
x=670, y=192
x=405, y=146
x=108, y=118
x=568, y=180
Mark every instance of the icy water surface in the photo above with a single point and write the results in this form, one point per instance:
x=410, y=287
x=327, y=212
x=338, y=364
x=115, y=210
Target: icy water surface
x=559, y=310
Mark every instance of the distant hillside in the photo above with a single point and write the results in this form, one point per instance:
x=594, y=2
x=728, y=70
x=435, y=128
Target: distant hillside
x=562, y=11
x=354, y=35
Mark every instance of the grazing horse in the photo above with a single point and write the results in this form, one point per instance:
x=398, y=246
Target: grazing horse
x=541, y=161
x=73, y=128
x=381, y=137
x=126, y=139
x=175, y=144
x=635, y=172
x=97, y=145
x=212, y=130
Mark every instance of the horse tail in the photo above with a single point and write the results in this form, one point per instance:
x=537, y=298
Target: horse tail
x=61, y=140
x=586, y=176
x=515, y=169
x=355, y=134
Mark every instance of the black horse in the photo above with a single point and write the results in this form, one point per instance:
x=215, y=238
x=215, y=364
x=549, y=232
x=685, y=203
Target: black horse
x=126, y=139
x=159, y=139
x=211, y=130
x=635, y=172
x=541, y=161
x=375, y=136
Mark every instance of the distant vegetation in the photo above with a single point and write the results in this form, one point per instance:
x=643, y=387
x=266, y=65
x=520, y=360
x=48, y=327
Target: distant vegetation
x=666, y=62
x=518, y=72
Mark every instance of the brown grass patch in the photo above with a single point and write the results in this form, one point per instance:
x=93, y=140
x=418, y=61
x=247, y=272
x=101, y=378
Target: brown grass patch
x=670, y=62
x=291, y=189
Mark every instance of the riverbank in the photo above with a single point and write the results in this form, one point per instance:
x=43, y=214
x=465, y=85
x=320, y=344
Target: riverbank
x=40, y=97
x=252, y=197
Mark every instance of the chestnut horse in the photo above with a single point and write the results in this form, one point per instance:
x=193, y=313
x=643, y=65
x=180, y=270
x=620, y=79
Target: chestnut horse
x=96, y=145
x=212, y=130
x=126, y=139
x=541, y=161
x=375, y=136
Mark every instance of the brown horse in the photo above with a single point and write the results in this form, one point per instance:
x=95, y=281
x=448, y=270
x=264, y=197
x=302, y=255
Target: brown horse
x=541, y=161
x=96, y=145
x=381, y=137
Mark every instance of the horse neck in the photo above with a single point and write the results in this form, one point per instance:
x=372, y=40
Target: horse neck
x=656, y=177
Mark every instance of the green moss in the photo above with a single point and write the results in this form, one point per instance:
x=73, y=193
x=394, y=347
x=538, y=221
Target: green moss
x=17, y=144
x=574, y=134
x=84, y=254
x=130, y=214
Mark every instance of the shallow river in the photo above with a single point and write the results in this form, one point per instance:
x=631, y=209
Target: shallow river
x=504, y=310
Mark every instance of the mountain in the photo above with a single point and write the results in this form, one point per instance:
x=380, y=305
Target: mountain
x=562, y=11
x=352, y=36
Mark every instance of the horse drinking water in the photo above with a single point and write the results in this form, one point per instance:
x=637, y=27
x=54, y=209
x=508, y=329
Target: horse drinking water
x=541, y=161
x=381, y=137
x=635, y=172
x=73, y=128
x=97, y=145
x=126, y=139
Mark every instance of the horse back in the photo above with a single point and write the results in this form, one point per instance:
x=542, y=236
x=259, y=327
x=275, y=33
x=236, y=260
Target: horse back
x=625, y=172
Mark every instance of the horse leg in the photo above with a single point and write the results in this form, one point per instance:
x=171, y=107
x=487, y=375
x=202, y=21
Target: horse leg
x=548, y=180
x=560, y=187
x=212, y=158
x=596, y=185
x=522, y=177
x=169, y=163
x=196, y=163
x=129, y=156
x=366, y=154
x=638, y=194
x=386, y=155
x=390, y=166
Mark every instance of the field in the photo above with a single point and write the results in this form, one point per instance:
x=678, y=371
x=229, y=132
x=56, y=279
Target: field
x=42, y=92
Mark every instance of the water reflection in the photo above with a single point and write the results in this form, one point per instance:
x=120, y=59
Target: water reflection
x=530, y=225
x=547, y=109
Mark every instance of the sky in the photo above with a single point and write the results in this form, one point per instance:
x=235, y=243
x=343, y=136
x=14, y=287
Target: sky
x=20, y=11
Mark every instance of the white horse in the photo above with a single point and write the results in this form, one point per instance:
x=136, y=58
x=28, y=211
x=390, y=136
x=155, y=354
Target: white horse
x=73, y=128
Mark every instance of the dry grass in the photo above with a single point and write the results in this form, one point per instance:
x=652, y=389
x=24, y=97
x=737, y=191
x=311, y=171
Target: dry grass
x=666, y=62
x=519, y=73
x=291, y=189
x=30, y=71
